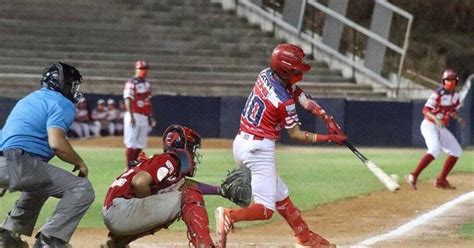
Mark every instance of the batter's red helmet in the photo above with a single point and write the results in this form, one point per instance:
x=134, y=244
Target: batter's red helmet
x=288, y=62
x=141, y=64
x=184, y=142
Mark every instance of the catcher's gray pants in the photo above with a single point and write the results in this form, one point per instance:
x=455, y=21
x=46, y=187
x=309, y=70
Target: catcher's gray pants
x=139, y=215
x=37, y=181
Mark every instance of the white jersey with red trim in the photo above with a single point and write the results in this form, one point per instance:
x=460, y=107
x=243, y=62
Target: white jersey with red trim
x=139, y=91
x=442, y=103
x=269, y=108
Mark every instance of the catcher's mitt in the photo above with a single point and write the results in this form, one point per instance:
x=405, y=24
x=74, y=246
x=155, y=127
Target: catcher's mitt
x=237, y=186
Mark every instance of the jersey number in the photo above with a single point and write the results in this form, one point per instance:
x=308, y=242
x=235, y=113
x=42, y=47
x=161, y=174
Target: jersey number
x=253, y=110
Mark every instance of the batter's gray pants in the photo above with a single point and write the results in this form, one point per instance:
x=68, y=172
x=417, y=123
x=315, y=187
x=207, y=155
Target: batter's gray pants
x=37, y=181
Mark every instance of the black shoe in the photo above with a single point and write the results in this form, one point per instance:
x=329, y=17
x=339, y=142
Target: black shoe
x=46, y=241
x=10, y=239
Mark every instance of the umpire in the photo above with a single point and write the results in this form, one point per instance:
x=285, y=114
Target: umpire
x=34, y=132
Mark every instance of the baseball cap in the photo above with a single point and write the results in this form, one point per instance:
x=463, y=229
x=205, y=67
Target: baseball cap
x=141, y=64
x=111, y=101
x=100, y=101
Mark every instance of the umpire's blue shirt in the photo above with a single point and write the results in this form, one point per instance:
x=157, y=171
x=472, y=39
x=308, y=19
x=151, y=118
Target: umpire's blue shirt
x=27, y=124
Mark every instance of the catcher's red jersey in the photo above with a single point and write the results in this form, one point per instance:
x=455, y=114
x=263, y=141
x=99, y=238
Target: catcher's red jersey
x=164, y=169
x=443, y=103
x=139, y=91
x=269, y=108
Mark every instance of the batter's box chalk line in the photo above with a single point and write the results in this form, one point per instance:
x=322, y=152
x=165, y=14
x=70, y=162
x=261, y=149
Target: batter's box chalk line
x=422, y=219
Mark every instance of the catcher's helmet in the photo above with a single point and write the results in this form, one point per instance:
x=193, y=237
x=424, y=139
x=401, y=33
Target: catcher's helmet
x=287, y=61
x=64, y=79
x=449, y=74
x=184, y=142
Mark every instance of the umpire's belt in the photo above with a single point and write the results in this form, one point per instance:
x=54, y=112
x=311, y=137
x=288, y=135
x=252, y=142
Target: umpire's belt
x=248, y=136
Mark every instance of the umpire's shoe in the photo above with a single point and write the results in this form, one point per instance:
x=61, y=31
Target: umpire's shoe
x=10, y=239
x=46, y=241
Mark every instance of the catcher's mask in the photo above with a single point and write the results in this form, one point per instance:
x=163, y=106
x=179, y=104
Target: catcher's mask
x=64, y=79
x=184, y=142
x=287, y=61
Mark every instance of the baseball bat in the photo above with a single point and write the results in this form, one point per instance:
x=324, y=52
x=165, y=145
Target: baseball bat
x=379, y=173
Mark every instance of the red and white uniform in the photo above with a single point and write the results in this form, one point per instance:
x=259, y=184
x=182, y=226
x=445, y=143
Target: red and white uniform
x=442, y=104
x=269, y=108
x=124, y=214
x=139, y=92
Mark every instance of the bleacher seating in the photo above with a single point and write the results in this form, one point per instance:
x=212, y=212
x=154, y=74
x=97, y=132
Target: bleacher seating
x=192, y=46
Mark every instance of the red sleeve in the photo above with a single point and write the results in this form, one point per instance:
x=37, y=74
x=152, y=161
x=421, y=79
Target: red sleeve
x=161, y=168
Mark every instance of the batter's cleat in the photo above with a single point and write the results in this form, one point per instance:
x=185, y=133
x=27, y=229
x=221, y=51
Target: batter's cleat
x=411, y=180
x=443, y=184
x=223, y=226
x=9, y=239
x=46, y=241
x=315, y=241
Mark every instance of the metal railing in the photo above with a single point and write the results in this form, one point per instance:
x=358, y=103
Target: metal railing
x=299, y=32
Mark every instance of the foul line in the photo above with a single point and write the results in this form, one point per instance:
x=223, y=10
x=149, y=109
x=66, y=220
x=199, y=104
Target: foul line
x=418, y=221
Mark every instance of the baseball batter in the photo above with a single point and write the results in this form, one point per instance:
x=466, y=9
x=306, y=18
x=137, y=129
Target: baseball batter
x=137, y=97
x=35, y=131
x=156, y=192
x=270, y=108
x=442, y=105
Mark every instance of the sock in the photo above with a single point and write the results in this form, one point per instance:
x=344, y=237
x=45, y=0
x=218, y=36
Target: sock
x=293, y=217
x=253, y=212
x=424, y=162
x=130, y=154
x=448, y=166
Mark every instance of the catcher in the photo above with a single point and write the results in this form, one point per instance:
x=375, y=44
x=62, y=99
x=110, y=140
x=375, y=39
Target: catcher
x=157, y=191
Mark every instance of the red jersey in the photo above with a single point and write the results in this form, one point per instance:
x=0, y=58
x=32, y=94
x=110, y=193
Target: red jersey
x=442, y=103
x=163, y=168
x=139, y=91
x=269, y=108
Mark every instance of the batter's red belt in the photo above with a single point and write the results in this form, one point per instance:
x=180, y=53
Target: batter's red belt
x=248, y=136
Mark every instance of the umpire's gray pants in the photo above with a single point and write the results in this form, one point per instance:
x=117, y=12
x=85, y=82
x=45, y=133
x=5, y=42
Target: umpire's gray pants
x=37, y=181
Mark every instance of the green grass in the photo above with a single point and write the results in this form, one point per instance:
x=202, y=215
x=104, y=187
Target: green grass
x=314, y=176
x=467, y=231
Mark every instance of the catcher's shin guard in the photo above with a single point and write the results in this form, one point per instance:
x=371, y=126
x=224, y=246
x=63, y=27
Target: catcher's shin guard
x=195, y=216
x=292, y=215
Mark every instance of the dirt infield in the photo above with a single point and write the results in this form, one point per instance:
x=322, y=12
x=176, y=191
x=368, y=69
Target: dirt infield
x=345, y=223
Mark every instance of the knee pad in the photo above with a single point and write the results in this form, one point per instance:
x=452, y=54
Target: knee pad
x=195, y=217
